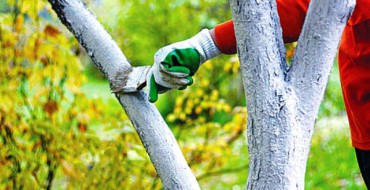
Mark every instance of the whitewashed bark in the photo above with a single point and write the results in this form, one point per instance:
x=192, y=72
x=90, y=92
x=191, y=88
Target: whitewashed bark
x=283, y=102
x=317, y=47
x=154, y=133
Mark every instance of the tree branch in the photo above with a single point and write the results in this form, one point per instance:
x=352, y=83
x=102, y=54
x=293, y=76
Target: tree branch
x=259, y=37
x=154, y=133
x=316, y=50
x=262, y=54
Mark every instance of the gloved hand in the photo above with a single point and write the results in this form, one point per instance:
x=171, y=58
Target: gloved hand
x=175, y=64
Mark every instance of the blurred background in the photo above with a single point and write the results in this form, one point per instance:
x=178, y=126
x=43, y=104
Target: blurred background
x=62, y=128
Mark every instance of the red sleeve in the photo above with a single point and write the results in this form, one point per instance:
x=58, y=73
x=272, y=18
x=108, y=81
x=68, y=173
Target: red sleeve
x=225, y=37
x=361, y=12
x=291, y=13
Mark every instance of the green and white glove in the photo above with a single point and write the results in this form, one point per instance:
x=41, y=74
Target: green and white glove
x=175, y=64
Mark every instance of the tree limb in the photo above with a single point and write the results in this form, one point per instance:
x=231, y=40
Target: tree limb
x=154, y=133
x=316, y=50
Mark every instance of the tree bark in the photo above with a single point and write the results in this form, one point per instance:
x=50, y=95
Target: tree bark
x=154, y=133
x=283, y=101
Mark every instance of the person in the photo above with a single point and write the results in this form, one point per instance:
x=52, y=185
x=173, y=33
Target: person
x=175, y=64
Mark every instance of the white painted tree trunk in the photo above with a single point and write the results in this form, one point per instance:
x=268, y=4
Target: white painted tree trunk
x=154, y=133
x=283, y=101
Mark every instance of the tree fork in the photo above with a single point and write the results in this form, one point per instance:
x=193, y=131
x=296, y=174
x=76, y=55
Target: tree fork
x=283, y=102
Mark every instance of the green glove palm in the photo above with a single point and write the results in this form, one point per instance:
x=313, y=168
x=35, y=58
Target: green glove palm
x=174, y=65
x=175, y=71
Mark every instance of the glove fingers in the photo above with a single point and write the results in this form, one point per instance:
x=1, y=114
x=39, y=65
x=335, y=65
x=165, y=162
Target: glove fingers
x=186, y=57
x=174, y=71
x=190, y=79
x=168, y=81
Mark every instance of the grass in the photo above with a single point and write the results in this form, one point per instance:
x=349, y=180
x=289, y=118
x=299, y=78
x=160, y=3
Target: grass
x=332, y=162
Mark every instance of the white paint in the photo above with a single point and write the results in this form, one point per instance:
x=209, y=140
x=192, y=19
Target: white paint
x=157, y=138
x=282, y=103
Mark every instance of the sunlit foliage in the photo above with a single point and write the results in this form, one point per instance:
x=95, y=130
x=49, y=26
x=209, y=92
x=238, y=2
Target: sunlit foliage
x=50, y=133
x=140, y=27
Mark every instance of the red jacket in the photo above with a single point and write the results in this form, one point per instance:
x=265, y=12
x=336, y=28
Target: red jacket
x=353, y=59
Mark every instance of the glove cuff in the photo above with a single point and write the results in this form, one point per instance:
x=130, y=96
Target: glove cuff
x=205, y=45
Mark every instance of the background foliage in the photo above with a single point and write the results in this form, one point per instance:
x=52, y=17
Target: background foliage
x=60, y=128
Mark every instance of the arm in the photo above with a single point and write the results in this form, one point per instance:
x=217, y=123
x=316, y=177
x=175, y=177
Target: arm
x=176, y=63
x=292, y=14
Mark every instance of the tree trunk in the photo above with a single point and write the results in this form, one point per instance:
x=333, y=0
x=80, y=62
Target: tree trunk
x=283, y=101
x=154, y=133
